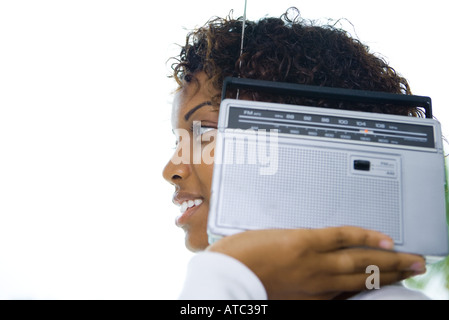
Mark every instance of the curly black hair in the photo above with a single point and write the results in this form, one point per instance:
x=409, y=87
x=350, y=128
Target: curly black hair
x=290, y=50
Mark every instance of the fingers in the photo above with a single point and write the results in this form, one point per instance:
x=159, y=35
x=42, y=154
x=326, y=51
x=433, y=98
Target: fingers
x=354, y=269
x=356, y=260
x=364, y=281
x=334, y=238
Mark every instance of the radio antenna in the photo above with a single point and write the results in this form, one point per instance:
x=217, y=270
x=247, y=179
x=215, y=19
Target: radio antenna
x=241, y=43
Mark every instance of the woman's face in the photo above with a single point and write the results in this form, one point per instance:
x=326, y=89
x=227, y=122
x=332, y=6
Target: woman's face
x=194, y=122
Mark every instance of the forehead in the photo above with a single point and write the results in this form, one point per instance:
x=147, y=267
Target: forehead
x=190, y=96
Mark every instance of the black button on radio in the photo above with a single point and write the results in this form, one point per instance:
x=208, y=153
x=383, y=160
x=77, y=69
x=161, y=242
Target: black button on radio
x=363, y=165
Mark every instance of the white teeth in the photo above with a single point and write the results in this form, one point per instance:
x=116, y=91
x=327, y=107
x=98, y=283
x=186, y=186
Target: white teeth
x=189, y=204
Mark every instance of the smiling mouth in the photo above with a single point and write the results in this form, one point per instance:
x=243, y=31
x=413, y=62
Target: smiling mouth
x=187, y=209
x=189, y=204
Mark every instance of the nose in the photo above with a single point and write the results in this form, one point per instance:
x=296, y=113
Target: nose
x=174, y=171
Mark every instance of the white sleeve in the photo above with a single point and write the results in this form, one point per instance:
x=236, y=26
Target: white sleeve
x=216, y=276
x=391, y=292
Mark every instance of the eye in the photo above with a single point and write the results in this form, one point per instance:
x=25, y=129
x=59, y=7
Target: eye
x=200, y=132
x=204, y=133
x=207, y=133
x=204, y=130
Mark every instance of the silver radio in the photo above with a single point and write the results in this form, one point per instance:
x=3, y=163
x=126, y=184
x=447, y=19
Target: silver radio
x=290, y=166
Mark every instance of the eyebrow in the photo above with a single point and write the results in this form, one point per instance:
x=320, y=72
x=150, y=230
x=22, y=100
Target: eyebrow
x=188, y=114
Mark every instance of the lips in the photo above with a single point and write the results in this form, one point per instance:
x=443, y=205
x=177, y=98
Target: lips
x=188, y=205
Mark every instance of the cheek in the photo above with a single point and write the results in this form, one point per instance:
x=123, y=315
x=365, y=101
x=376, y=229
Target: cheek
x=204, y=173
x=206, y=168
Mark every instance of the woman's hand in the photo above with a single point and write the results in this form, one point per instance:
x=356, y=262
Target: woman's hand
x=318, y=263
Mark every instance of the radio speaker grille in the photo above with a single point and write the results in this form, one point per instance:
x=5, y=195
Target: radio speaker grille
x=312, y=188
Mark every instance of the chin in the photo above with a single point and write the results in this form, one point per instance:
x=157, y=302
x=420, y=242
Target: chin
x=196, y=244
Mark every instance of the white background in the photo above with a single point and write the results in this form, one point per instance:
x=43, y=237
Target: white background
x=85, y=131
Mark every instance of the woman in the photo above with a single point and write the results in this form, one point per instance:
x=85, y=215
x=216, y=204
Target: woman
x=290, y=264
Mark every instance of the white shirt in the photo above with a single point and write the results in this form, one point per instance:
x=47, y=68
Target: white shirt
x=216, y=276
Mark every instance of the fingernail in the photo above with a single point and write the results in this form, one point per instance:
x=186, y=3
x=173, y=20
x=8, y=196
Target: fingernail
x=386, y=244
x=418, y=267
x=417, y=273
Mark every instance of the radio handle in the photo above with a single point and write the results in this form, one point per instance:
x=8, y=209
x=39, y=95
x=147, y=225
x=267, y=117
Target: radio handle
x=328, y=92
